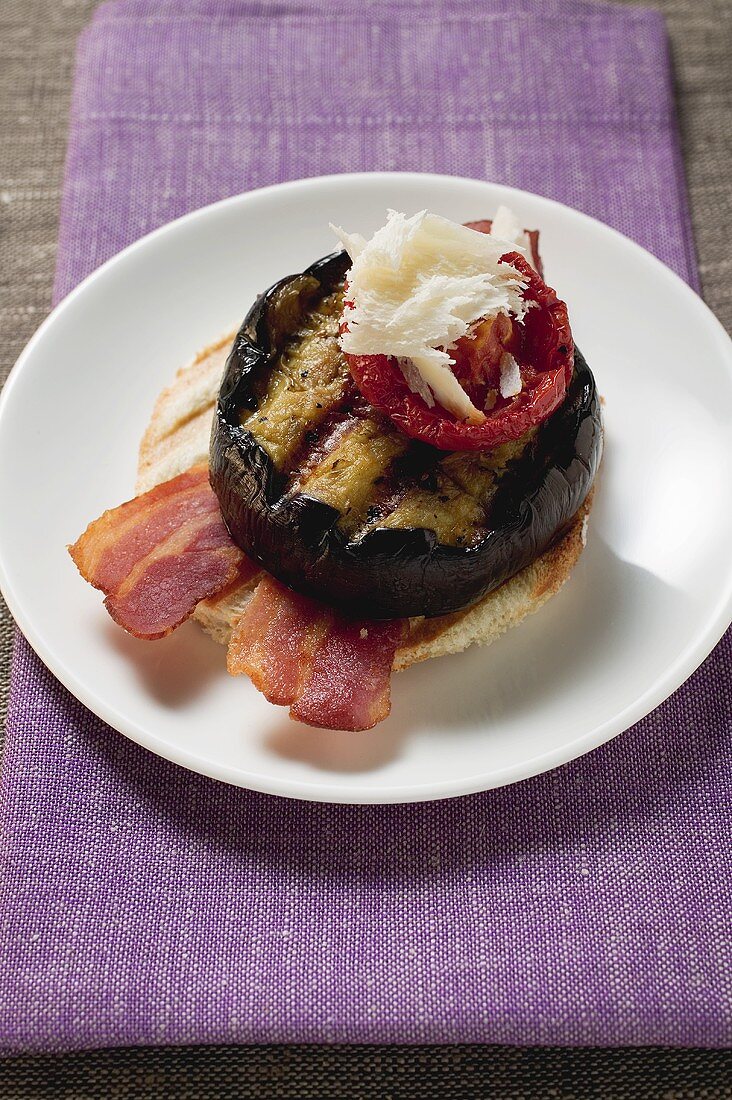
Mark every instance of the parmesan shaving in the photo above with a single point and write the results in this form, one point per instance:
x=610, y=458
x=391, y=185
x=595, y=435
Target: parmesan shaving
x=507, y=229
x=510, y=383
x=416, y=382
x=418, y=286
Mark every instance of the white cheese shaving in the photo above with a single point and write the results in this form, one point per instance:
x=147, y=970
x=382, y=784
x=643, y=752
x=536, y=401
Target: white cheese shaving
x=416, y=382
x=506, y=228
x=417, y=287
x=510, y=383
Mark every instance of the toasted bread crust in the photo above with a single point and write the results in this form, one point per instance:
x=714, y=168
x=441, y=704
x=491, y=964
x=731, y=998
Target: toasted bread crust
x=178, y=436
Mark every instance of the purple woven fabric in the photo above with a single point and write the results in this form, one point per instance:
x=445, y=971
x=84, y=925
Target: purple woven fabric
x=142, y=904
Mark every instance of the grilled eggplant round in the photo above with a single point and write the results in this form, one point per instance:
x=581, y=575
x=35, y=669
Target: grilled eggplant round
x=338, y=504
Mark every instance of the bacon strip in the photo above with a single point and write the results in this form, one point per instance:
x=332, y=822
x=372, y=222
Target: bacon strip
x=274, y=640
x=156, y=556
x=333, y=672
x=349, y=687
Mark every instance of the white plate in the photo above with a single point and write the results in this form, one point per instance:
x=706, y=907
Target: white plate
x=650, y=597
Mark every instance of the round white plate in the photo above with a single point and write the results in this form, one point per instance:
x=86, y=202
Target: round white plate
x=648, y=600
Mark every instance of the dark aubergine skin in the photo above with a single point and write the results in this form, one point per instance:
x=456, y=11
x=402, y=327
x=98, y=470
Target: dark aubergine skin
x=389, y=572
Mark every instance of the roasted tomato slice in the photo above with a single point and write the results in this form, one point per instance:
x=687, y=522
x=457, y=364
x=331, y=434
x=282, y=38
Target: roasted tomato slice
x=542, y=346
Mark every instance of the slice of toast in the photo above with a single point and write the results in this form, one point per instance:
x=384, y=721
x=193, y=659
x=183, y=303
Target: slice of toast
x=177, y=437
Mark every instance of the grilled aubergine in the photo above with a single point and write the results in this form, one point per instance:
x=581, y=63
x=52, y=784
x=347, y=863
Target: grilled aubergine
x=333, y=499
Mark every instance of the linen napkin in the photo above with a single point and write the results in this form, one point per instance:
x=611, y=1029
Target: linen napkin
x=142, y=904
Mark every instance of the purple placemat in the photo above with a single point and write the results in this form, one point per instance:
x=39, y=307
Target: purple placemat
x=144, y=905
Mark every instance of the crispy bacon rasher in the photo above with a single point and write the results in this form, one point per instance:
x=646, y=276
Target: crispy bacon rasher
x=332, y=672
x=156, y=556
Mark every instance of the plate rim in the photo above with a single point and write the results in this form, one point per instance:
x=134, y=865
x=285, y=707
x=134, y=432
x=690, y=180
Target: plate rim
x=685, y=664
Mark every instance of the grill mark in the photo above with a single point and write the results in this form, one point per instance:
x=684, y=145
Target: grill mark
x=382, y=507
x=187, y=418
x=321, y=439
x=337, y=428
x=405, y=472
x=351, y=469
x=425, y=468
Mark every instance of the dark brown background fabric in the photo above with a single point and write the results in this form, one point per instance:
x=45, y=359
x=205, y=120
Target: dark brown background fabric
x=37, y=39
x=372, y=1073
